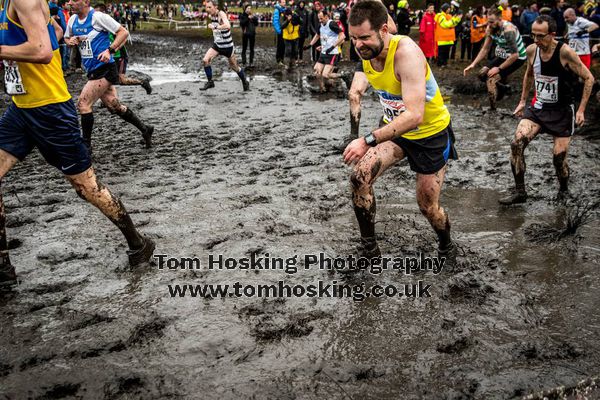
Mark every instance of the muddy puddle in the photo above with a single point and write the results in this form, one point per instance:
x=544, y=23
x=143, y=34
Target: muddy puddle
x=237, y=174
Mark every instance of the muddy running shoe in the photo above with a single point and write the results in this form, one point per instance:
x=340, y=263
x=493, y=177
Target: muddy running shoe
x=516, y=198
x=146, y=85
x=8, y=275
x=147, y=136
x=246, y=85
x=449, y=255
x=369, y=248
x=563, y=196
x=142, y=255
x=208, y=85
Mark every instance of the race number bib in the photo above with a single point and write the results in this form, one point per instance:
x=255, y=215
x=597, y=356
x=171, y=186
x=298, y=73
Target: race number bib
x=391, y=109
x=85, y=48
x=12, y=79
x=546, y=89
x=501, y=53
x=580, y=46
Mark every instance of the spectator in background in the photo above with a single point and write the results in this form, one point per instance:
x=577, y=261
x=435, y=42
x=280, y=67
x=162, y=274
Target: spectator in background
x=303, y=14
x=277, y=15
x=506, y=10
x=445, y=35
x=56, y=12
x=557, y=15
x=427, y=33
x=465, y=38
x=478, y=26
x=290, y=28
x=313, y=28
x=248, y=23
x=455, y=9
x=527, y=18
x=403, y=21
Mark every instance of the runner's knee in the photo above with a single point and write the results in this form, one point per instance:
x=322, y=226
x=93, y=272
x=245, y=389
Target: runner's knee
x=361, y=180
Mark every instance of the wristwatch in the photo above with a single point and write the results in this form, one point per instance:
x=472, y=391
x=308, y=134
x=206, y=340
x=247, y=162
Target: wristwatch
x=111, y=50
x=370, y=139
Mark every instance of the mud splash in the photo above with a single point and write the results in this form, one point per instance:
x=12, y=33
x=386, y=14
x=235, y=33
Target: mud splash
x=238, y=173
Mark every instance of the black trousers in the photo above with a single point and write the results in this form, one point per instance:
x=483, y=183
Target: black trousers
x=280, y=49
x=443, y=53
x=453, y=50
x=475, y=48
x=301, y=41
x=314, y=53
x=291, y=50
x=248, y=40
x=465, y=48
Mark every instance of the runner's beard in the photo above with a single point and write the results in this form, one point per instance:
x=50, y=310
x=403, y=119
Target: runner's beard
x=369, y=53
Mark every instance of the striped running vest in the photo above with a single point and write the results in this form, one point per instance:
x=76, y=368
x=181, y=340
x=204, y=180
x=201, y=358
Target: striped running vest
x=436, y=117
x=222, y=37
x=31, y=85
x=502, y=49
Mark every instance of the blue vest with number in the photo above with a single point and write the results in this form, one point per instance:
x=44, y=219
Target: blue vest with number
x=97, y=42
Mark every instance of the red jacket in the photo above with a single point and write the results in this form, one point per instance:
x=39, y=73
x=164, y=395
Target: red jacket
x=427, y=35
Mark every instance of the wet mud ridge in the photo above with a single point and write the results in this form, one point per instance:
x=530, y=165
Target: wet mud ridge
x=237, y=174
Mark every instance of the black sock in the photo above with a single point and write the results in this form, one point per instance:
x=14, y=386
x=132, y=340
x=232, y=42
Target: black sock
x=87, y=125
x=133, y=119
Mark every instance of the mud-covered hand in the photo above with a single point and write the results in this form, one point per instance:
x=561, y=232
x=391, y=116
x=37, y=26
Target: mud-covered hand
x=466, y=70
x=104, y=56
x=520, y=108
x=493, y=71
x=355, y=150
x=579, y=118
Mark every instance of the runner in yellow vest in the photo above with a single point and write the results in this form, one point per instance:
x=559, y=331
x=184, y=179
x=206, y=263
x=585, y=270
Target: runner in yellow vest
x=416, y=125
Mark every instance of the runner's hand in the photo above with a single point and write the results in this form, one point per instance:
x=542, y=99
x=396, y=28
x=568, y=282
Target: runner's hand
x=104, y=56
x=466, y=70
x=519, y=110
x=493, y=71
x=319, y=48
x=355, y=150
x=579, y=118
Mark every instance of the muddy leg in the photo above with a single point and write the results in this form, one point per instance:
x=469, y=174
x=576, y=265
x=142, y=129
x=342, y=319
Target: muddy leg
x=92, y=91
x=561, y=146
x=493, y=90
x=7, y=271
x=367, y=170
x=89, y=188
x=526, y=131
x=428, y=196
x=112, y=102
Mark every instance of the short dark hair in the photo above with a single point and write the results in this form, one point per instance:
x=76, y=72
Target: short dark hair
x=551, y=22
x=100, y=6
x=369, y=10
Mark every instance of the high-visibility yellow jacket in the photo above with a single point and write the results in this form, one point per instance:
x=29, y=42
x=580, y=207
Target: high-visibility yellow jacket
x=444, y=29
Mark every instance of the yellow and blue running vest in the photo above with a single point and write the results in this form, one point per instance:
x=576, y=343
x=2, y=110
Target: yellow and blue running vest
x=389, y=89
x=31, y=85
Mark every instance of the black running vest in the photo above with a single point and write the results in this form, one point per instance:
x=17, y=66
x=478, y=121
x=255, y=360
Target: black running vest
x=551, y=81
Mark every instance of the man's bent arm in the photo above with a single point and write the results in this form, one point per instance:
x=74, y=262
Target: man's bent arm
x=574, y=63
x=33, y=17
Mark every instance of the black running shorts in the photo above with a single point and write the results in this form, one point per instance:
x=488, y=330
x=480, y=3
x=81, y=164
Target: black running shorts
x=559, y=122
x=106, y=71
x=227, y=51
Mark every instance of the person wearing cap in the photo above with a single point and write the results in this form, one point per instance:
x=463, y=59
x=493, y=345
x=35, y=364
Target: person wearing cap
x=403, y=20
x=445, y=34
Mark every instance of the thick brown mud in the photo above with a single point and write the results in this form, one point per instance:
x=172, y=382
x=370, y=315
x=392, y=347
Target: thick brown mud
x=236, y=174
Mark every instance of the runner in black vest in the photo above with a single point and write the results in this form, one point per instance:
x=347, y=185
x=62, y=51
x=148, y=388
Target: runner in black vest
x=550, y=66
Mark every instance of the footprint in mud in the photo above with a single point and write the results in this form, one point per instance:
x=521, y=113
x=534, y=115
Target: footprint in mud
x=467, y=289
x=57, y=253
x=454, y=345
x=271, y=328
x=351, y=373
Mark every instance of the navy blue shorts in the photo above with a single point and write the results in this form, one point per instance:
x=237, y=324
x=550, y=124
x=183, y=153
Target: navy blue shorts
x=430, y=154
x=53, y=129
